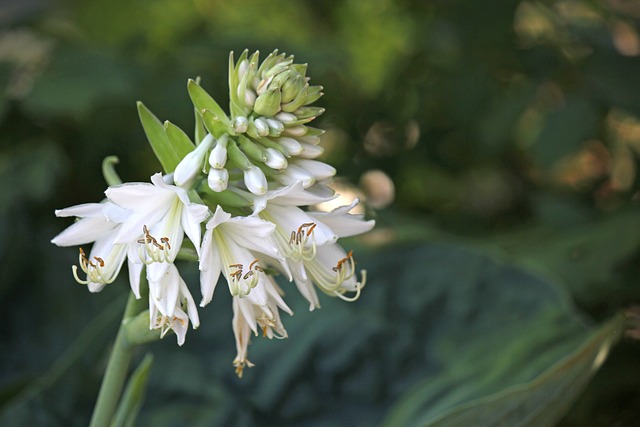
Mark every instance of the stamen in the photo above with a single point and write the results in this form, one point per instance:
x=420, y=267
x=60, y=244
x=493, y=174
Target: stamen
x=298, y=242
x=158, y=254
x=95, y=272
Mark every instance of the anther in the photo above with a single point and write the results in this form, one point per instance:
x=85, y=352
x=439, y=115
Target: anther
x=100, y=261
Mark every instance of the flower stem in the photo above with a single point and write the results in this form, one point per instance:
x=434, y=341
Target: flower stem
x=117, y=370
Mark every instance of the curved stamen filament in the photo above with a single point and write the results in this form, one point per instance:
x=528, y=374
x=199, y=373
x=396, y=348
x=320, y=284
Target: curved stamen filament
x=241, y=282
x=151, y=251
x=95, y=271
x=332, y=284
x=302, y=243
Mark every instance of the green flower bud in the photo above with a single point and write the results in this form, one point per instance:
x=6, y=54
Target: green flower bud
x=268, y=104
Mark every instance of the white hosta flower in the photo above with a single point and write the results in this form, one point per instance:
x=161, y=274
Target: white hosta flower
x=171, y=305
x=105, y=260
x=160, y=216
x=308, y=241
x=231, y=246
x=248, y=317
x=192, y=163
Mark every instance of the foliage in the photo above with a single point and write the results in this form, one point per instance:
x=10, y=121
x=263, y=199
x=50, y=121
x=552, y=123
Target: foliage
x=511, y=127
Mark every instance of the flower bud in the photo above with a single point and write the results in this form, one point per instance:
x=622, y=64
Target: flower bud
x=218, y=156
x=292, y=146
x=275, y=127
x=240, y=124
x=291, y=88
x=262, y=127
x=310, y=151
x=275, y=159
x=268, y=104
x=255, y=180
x=293, y=174
x=192, y=163
x=218, y=179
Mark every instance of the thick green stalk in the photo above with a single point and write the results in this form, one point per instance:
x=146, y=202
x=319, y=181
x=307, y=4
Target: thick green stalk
x=117, y=370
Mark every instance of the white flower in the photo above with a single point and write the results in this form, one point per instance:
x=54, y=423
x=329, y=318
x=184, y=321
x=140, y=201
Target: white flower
x=308, y=241
x=160, y=216
x=232, y=246
x=248, y=317
x=105, y=260
x=171, y=305
x=192, y=163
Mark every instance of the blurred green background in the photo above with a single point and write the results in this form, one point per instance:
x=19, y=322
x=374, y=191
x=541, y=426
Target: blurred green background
x=509, y=127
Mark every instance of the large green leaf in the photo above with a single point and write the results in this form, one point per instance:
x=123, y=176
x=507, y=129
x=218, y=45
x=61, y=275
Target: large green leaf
x=467, y=325
x=538, y=403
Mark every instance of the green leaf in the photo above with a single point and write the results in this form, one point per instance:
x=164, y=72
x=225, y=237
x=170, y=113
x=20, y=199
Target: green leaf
x=538, y=403
x=160, y=143
x=182, y=144
x=203, y=101
x=213, y=124
x=133, y=395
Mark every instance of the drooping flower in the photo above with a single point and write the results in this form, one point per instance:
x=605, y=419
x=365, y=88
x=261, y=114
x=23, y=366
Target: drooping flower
x=106, y=258
x=249, y=317
x=171, y=305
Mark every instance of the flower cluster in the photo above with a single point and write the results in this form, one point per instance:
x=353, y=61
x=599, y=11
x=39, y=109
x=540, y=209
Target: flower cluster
x=241, y=195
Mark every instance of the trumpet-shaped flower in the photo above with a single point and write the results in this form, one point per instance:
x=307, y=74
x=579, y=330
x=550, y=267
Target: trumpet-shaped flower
x=308, y=241
x=233, y=247
x=160, y=216
x=106, y=258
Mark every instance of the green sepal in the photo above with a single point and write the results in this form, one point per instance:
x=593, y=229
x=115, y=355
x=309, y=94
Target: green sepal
x=213, y=124
x=237, y=156
x=313, y=94
x=203, y=101
x=160, y=143
x=182, y=144
x=111, y=177
x=250, y=149
x=136, y=330
x=133, y=395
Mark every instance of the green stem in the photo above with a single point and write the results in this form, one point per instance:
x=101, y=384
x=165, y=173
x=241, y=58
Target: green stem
x=117, y=370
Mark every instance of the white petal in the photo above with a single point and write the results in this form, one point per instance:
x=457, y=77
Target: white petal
x=318, y=169
x=210, y=267
x=192, y=216
x=85, y=231
x=140, y=196
x=290, y=218
x=219, y=216
x=83, y=210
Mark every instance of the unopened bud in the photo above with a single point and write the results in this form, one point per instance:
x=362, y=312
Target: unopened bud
x=218, y=179
x=240, y=124
x=293, y=174
x=310, y=151
x=218, y=156
x=262, y=127
x=268, y=104
x=255, y=180
x=275, y=159
x=192, y=163
x=275, y=127
x=286, y=117
x=292, y=146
